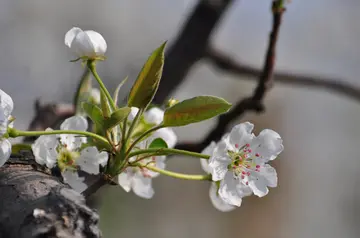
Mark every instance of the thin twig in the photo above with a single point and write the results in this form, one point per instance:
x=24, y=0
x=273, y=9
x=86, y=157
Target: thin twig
x=254, y=102
x=94, y=187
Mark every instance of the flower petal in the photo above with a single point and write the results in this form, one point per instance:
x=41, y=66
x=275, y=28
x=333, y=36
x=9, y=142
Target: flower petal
x=258, y=186
x=6, y=104
x=154, y=115
x=90, y=159
x=207, y=151
x=125, y=179
x=159, y=163
x=82, y=45
x=241, y=134
x=167, y=134
x=228, y=190
x=3, y=123
x=142, y=186
x=219, y=161
x=44, y=150
x=270, y=175
x=133, y=112
x=97, y=41
x=72, y=178
x=217, y=201
x=5, y=151
x=73, y=123
x=268, y=144
x=70, y=35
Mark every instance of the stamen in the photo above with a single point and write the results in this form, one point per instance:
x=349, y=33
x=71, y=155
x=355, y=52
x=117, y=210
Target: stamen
x=236, y=145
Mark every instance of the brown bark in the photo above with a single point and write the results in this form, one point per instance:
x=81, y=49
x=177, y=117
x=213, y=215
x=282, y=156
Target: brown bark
x=25, y=186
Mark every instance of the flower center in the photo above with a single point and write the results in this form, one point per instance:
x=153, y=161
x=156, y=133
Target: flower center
x=66, y=159
x=243, y=162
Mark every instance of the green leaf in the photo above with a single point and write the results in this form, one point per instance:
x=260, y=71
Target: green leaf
x=116, y=92
x=83, y=91
x=94, y=113
x=105, y=107
x=147, y=82
x=117, y=117
x=158, y=143
x=195, y=110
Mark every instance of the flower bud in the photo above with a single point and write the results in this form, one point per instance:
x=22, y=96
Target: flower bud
x=89, y=44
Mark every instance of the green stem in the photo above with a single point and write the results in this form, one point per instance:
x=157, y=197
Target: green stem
x=92, y=66
x=133, y=124
x=141, y=137
x=16, y=133
x=177, y=175
x=167, y=151
x=123, y=132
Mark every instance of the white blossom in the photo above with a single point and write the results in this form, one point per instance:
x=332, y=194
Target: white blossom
x=65, y=151
x=6, y=108
x=239, y=162
x=85, y=43
x=215, y=199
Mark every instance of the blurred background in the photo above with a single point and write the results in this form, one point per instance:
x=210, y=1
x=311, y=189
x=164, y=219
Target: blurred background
x=318, y=193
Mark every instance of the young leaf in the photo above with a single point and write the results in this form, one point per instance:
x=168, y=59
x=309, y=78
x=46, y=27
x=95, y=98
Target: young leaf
x=147, y=83
x=158, y=143
x=83, y=90
x=194, y=110
x=94, y=113
x=116, y=92
x=105, y=107
x=117, y=117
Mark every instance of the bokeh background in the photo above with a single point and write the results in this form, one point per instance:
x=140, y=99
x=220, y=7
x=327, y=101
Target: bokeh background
x=318, y=193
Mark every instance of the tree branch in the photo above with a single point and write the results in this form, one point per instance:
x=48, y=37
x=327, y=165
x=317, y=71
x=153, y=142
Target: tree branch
x=336, y=85
x=254, y=102
x=60, y=211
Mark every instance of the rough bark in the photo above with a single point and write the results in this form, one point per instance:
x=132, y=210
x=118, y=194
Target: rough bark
x=25, y=186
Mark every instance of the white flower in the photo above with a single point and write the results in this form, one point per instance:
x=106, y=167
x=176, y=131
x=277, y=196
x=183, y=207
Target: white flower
x=72, y=178
x=215, y=199
x=65, y=150
x=95, y=96
x=155, y=116
x=240, y=159
x=6, y=108
x=85, y=43
x=139, y=179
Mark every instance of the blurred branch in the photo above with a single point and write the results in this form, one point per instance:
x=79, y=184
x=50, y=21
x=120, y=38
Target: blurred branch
x=336, y=85
x=254, y=102
x=190, y=45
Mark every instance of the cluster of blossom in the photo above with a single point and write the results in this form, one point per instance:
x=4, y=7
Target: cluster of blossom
x=237, y=163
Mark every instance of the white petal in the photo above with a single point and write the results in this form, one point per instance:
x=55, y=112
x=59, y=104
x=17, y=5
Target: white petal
x=133, y=112
x=228, y=190
x=3, y=123
x=159, y=163
x=70, y=35
x=154, y=115
x=125, y=179
x=72, y=178
x=95, y=95
x=73, y=123
x=90, y=159
x=82, y=45
x=270, y=175
x=219, y=161
x=217, y=201
x=167, y=134
x=258, y=186
x=5, y=151
x=97, y=41
x=142, y=186
x=241, y=134
x=44, y=150
x=6, y=104
x=268, y=144
x=207, y=151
